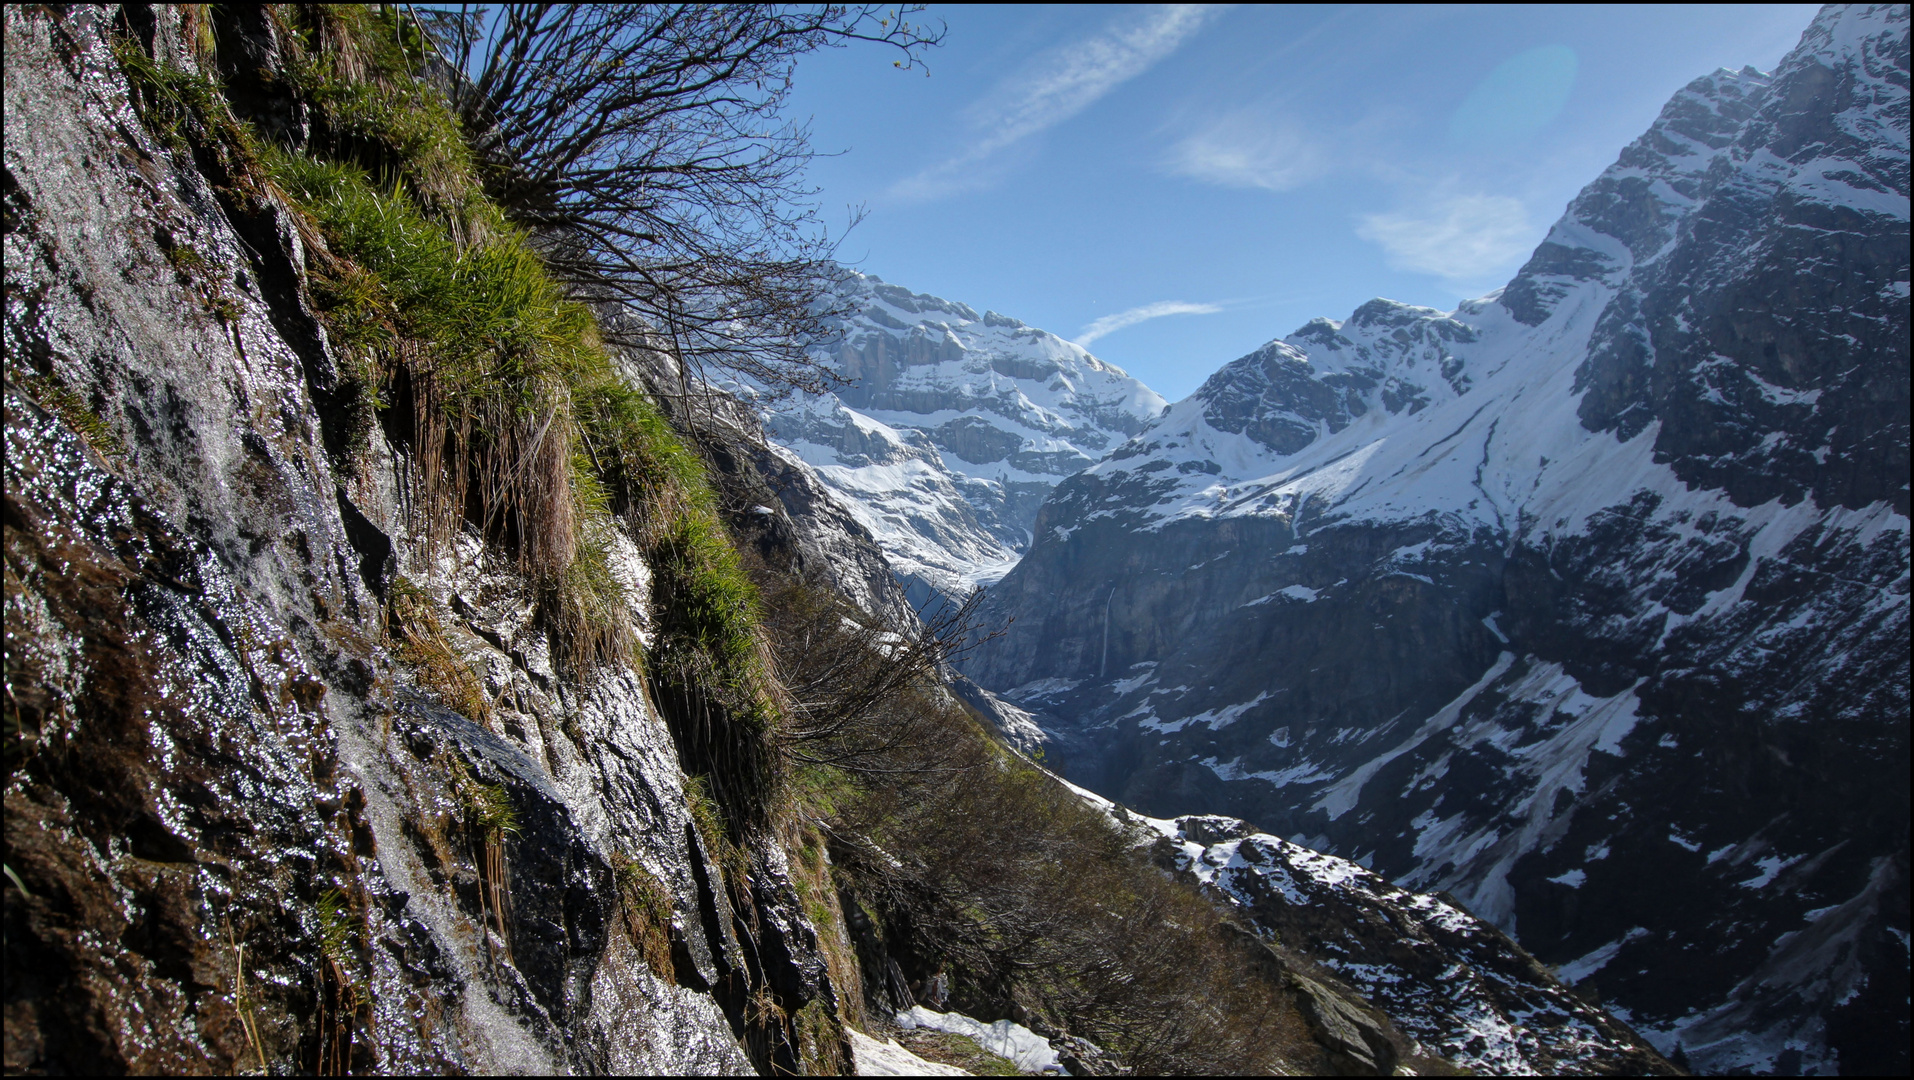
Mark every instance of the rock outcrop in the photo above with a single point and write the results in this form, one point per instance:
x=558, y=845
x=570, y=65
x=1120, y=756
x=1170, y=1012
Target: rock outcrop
x=1448, y=980
x=1586, y=602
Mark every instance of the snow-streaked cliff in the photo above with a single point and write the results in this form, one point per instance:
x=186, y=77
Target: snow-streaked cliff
x=952, y=427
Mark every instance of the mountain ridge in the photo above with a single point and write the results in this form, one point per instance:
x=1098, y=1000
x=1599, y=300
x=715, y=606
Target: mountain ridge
x=1612, y=560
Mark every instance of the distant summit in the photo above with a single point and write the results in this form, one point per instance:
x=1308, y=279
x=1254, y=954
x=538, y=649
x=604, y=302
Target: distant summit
x=953, y=429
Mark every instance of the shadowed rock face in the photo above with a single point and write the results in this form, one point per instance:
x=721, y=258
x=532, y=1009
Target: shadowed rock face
x=1586, y=602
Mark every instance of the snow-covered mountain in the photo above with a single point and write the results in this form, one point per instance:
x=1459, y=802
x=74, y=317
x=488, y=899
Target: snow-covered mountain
x=1586, y=602
x=952, y=429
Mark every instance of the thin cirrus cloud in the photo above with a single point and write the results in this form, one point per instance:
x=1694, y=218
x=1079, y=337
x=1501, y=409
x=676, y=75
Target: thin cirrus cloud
x=1055, y=87
x=1462, y=240
x=1110, y=324
x=1246, y=151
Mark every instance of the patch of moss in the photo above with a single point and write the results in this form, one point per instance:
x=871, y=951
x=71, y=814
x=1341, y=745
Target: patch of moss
x=58, y=398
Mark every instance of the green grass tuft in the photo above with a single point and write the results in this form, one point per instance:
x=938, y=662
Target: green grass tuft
x=820, y=1040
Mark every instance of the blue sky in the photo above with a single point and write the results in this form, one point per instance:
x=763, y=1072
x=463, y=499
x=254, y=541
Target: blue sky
x=1175, y=186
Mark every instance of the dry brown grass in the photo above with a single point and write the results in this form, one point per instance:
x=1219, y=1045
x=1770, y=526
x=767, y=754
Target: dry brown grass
x=646, y=906
x=420, y=633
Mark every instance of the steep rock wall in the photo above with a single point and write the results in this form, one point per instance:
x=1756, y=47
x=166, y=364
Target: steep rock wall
x=240, y=833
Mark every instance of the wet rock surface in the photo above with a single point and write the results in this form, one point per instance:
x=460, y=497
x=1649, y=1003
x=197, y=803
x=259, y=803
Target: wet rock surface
x=240, y=834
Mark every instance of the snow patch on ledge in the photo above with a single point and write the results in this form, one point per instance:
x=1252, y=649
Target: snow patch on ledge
x=1029, y=1051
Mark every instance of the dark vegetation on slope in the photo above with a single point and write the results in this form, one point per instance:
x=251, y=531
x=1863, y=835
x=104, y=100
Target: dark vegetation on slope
x=956, y=861
x=966, y=878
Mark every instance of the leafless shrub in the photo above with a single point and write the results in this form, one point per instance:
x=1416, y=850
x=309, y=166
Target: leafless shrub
x=862, y=695
x=645, y=145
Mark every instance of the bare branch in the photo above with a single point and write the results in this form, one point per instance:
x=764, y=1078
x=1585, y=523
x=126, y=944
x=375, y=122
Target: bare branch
x=645, y=146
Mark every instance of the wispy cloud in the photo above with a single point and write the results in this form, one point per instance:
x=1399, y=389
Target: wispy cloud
x=1056, y=86
x=1110, y=324
x=1461, y=239
x=1247, y=151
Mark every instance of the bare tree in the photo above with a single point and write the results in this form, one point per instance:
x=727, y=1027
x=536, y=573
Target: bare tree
x=862, y=695
x=645, y=146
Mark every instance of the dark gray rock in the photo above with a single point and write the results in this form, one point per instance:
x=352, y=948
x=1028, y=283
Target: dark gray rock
x=1347, y=1031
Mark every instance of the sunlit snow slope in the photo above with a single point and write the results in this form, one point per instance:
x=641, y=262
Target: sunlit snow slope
x=952, y=428
x=1586, y=602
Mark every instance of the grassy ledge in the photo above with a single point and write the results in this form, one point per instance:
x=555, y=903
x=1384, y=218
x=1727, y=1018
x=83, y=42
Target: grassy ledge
x=457, y=340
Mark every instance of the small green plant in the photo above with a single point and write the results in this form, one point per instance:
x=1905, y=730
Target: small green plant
x=186, y=259
x=587, y=607
x=493, y=818
x=342, y=991
x=176, y=105
x=647, y=908
x=820, y=1040
x=490, y=817
x=197, y=272
x=337, y=933
x=188, y=109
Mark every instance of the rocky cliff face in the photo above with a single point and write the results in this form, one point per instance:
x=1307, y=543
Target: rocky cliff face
x=1585, y=602
x=952, y=428
x=241, y=832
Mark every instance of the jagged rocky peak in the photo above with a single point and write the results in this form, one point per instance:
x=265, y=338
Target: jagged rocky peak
x=1755, y=339
x=1586, y=602
x=1634, y=207
x=1386, y=355
x=951, y=428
